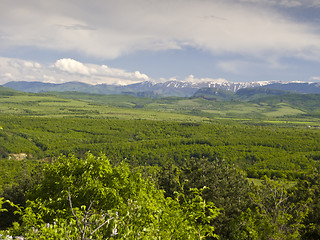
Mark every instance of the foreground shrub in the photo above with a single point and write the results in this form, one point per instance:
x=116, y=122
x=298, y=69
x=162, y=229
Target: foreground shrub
x=90, y=199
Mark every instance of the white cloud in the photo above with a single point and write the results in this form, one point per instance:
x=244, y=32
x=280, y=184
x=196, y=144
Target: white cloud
x=109, y=29
x=139, y=75
x=315, y=79
x=72, y=66
x=193, y=79
x=31, y=64
x=7, y=76
x=115, y=72
x=65, y=70
x=50, y=79
x=99, y=73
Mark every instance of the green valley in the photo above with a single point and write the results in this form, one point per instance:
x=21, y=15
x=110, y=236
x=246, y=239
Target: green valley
x=188, y=156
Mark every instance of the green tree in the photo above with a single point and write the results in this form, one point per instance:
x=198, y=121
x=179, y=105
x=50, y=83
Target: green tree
x=88, y=198
x=223, y=185
x=19, y=177
x=275, y=215
x=308, y=190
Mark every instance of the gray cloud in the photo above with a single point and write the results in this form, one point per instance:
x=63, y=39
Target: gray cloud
x=109, y=29
x=77, y=27
x=286, y=3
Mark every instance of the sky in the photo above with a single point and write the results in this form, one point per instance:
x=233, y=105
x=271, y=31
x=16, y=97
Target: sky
x=129, y=41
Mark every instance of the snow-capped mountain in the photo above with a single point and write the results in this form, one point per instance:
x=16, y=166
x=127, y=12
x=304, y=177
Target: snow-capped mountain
x=169, y=88
x=188, y=87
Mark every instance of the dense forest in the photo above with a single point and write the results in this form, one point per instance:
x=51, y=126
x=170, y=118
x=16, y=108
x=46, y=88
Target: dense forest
x=87, y=169
x=259, y=150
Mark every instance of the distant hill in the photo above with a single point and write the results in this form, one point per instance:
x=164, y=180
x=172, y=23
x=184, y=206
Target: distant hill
x=145, y=89
x=254, y=93
x=208, y=103
x=299, y=87
x=217, y=89
x=214, y=94
x=5, y=91
x=244, y=94
x=309, y=102
x=37, y=87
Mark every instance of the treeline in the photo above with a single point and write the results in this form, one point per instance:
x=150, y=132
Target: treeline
x=98, y=198
x=259, y=150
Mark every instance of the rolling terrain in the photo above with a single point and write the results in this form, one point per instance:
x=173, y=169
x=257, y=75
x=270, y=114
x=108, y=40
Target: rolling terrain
x=204, y=150
x=251, y=105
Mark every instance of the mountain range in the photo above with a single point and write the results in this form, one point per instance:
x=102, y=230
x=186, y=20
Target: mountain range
x=169, y=88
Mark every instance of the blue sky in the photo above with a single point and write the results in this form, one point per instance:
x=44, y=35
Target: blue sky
x=128, y=41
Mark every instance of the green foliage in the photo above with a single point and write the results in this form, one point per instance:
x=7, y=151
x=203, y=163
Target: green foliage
x=306, y=190
x=90, y=199
x=275, y=215
x=86, y=178
x=221, y=184
x=17, y=177
x=199, y=211
x=4, y=206
x=301, y=108
x=83, y=196
x=2, y=201
x=272, y=151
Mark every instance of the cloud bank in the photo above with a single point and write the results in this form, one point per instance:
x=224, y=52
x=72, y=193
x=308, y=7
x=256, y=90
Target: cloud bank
x=113, y=28
x=66, y=70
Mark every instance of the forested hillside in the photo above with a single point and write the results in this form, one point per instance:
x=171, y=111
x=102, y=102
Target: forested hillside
x=258, y=150
x=88, y=166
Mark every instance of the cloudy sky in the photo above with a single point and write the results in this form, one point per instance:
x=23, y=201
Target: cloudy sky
x=127, y=41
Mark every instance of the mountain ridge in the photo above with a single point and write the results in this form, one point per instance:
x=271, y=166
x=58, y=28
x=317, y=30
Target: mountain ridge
x=163, y=89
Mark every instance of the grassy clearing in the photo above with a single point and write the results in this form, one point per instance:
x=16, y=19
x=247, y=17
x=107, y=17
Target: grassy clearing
x=259, y=182
x=51, y=106
x=284, y=110
x=129, y=107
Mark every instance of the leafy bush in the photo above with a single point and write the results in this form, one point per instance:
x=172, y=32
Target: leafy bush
x=90, y=199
